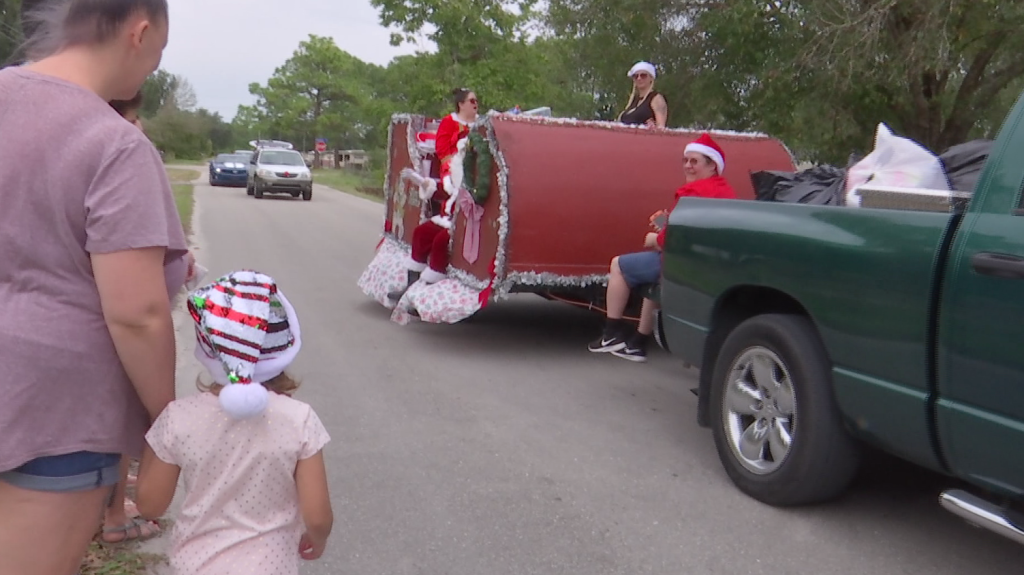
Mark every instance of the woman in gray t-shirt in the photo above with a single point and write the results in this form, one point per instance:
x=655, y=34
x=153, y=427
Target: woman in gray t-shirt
x=87, y=229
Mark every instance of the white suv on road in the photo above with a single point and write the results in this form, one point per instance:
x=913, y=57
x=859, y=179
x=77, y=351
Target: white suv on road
x=279, y=170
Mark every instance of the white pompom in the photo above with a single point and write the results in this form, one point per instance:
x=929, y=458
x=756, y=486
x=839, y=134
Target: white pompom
x=243, y=401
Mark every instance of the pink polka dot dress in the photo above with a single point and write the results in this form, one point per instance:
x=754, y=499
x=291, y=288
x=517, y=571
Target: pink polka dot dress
x=240, y=514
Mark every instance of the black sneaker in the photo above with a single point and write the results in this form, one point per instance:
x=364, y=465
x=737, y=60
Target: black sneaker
x=637, y=354
x=607, y=343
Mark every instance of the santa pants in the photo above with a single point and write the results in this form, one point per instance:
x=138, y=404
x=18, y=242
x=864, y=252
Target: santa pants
x=430, y=247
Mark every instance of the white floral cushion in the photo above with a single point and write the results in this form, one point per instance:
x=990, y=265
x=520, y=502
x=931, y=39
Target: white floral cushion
x=386, y=273
x=447, y=301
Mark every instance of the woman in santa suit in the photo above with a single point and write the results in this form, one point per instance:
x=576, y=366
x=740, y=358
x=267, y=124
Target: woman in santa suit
x=429, y=258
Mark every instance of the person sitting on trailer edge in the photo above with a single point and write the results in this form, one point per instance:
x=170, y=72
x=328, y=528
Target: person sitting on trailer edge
x=703, y=164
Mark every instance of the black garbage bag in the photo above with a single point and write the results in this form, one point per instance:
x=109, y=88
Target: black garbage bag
x=768, y=183
x=963, y=163
x=820, y=185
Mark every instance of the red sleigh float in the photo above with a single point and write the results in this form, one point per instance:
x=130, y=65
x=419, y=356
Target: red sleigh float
x=563, y=197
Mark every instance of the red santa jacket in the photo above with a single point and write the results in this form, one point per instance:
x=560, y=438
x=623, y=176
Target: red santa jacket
x=449, y=132
x=713, y=187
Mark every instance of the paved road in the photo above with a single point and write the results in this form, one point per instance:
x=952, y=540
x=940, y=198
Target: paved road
x=501, y=446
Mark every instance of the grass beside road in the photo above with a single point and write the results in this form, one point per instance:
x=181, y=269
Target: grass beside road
x=178, y=175
x=367, y=184
x=183, y=199
x=181, y=183
x=186, y=162
x=125, y=560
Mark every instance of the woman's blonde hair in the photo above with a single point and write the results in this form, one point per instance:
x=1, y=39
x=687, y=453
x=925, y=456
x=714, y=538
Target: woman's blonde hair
x=283, y=384
x=632, y=94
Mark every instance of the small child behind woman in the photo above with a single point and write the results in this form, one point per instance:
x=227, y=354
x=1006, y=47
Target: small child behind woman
x=256, y=495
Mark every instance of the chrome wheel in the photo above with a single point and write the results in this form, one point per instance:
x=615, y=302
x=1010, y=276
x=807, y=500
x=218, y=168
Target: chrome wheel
x=759, y=410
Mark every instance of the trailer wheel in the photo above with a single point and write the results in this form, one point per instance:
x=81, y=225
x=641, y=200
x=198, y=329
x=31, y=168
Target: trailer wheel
x=777, y=428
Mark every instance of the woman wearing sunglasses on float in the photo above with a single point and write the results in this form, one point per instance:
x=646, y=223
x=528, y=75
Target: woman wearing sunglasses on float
x=646, y=107
x=428, y=261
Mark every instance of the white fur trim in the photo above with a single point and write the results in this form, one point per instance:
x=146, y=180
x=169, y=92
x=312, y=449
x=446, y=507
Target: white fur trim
x=455, y=116
x=453, y=181
x=449, y=204
x=709, y=152
x=427, y=189
x=642, y=67
x=444, y=222
x=414, y=265
x=432, y=276
x=427, y=186
x=266, y=369
x=244, y=401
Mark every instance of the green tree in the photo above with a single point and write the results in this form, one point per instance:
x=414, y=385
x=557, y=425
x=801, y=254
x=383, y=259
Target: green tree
x=220, y=133
x=489, y=46
x=157, y=92
x=819, y=74
x=10, y=29
x=180, y=134
x=315, y=93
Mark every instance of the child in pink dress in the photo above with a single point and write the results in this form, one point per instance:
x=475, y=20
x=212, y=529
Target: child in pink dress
x=256, y=497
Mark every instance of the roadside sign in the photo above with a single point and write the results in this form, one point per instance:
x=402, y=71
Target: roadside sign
x=321, y=145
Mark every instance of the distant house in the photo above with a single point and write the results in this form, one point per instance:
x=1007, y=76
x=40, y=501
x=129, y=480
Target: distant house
x=340, y=158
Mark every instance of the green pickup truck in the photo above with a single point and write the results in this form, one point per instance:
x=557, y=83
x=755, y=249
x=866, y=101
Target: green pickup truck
x=898, y=324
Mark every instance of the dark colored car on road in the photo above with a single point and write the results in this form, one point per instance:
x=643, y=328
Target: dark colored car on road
x=229, y=170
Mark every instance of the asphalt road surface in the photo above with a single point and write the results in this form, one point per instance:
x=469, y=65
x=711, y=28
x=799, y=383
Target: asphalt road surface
x=502, y=446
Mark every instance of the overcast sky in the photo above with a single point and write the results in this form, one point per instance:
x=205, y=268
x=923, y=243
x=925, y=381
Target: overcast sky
x=221, y=46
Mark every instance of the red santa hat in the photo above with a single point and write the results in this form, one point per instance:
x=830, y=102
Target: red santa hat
x=705, y=145
x=247, y=334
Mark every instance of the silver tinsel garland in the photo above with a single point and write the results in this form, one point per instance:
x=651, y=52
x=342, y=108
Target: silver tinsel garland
x=555, y=280
x=468, y=279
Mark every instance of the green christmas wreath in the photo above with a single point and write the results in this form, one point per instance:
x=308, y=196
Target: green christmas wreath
x=476, y=167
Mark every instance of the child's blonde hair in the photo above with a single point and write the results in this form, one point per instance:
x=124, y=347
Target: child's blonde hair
x=283, y=384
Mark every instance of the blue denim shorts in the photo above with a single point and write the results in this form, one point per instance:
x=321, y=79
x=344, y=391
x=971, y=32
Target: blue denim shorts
x=640, y=268
x=78, y=471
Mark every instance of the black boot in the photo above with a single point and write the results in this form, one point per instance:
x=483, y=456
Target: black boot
x=413, y=277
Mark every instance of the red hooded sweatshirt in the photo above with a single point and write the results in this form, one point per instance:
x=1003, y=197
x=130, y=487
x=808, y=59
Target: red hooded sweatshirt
x=713, y=187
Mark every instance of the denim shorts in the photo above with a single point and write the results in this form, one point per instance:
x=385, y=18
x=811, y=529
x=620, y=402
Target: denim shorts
x=78, y=471
x=640, y=268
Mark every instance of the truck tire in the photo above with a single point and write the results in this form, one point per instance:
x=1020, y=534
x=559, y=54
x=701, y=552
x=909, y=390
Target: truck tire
x=307, y=195
x=257, y=193
x=249, y=190
x=777, y=428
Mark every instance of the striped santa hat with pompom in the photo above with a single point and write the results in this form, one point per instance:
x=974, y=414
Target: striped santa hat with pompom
x=247, y=334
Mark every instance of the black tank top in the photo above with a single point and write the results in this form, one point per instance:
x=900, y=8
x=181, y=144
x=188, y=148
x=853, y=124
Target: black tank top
x=639, y=111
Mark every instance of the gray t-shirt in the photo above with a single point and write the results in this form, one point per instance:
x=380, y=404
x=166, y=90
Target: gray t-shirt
x=75, y=179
